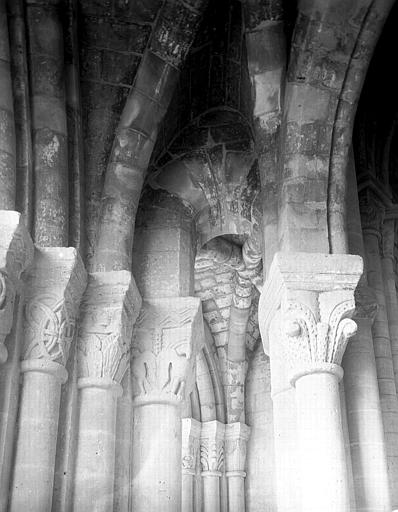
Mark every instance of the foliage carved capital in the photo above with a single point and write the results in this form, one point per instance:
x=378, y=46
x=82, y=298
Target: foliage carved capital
x=306, y=305
x=212, y=448
x=110, y=307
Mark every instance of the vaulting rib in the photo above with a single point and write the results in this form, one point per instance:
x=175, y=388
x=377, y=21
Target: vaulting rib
x=136, y=134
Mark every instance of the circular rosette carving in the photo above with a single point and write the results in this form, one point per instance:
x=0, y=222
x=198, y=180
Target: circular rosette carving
x=49, y=329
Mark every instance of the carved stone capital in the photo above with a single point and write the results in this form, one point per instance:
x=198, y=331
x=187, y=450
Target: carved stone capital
x=167, y=336
x=190, y=445
x=110, y=307
x=54, y=287
x=16, y=254
x=306, y=305
x=372, y=211
x=212, y=448
x=365, y=302
x=388, y=238
x=236, y=437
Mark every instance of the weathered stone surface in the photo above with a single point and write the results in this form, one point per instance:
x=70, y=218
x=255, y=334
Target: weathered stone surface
x=167, y=336
x=110, y=306
x=16, y=255
x=316, y=300
x=54, y=287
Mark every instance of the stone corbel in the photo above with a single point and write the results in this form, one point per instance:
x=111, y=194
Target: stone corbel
x=54, y=287
x=307, y=304
x=236, y=437
x=212, y=448
x=167, y=336
x=190, y=445
x=110, y=307
x=16, y=255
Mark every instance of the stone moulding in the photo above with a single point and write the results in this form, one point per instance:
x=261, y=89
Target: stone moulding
x=167, y=336
x=307, y=304
x=110, y=306
x=54, y=288
x=16, y=255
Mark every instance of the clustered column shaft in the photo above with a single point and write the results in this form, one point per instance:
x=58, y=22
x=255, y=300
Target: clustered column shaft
x=7, y=125
x=372, y=216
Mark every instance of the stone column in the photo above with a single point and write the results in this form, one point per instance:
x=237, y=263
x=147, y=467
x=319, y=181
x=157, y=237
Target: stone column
x=7, y=124
x=387, y=264
x=212, y=463
x=49, y=126
x=16, y=254
x=109, y=309
x=372, y=216
x=54, y=288
x=236, y=437
x=365, y=423
x=305, y=306
x=190, y=449
x=167, y=336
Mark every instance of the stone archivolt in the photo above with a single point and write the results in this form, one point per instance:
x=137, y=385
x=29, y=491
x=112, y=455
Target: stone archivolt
x=167, y=335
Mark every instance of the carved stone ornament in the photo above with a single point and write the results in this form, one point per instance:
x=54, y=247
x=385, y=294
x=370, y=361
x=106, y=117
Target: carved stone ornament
x=16, y=254
x=236, y=438
x=110, y=307
x=307, y=305
x=212, y=448
x=54, y=288
x=190, y=445
x=365, y=302
x=372, y=211
x=167, y=336
x=388, y=238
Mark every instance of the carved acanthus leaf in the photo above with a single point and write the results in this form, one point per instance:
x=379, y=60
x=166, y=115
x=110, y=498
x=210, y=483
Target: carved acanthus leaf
x=212, y=446
x=318, y=335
